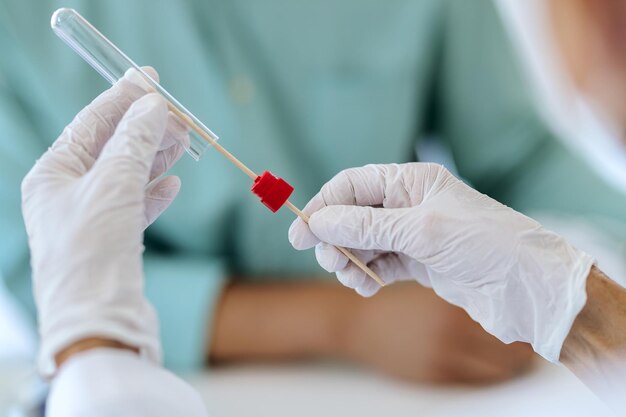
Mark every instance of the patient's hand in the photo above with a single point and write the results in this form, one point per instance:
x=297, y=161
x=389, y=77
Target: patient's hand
x=405, y=331
x=408, y=332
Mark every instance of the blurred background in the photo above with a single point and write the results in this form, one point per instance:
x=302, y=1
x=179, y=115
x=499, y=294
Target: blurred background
x=524, y=100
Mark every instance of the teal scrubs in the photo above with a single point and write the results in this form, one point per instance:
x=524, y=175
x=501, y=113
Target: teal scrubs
x=302, y=88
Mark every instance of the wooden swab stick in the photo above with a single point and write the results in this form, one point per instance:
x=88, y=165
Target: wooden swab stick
x=253, y=176
x=341, y=249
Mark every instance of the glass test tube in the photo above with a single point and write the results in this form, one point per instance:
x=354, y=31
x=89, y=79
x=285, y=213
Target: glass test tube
x=112, y=64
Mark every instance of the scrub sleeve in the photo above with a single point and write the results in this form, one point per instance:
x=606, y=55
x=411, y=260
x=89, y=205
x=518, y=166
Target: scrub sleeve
x=185, y=291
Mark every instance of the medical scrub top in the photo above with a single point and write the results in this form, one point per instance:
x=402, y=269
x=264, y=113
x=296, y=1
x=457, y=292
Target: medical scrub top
x=302, y=88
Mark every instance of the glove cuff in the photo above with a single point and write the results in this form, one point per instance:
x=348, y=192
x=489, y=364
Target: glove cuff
x=136, y=326
x=549, y=342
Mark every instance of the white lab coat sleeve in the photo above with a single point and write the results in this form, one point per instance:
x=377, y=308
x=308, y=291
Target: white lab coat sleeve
x=112, y=382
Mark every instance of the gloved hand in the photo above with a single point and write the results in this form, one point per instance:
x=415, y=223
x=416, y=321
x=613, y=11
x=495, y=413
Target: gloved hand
x=417, y=221
x=86, y=203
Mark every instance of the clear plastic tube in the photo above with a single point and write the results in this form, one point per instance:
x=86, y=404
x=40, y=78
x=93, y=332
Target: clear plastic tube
x=112, y=64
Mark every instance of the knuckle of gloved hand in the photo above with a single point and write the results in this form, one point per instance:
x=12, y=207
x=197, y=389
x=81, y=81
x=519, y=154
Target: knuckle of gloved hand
x=438, y=169
x=301, y=236
x=176, y=132
x=294, y=234
x=438, y=174
x=135, y=82
x=28, y=181
x=340, y=189
x=122, y=95
x=38, y=179
x=164, y=160
x=329, y=258
x=315, y=204
x=175, y=154
x=160, y=165
x=169, y=139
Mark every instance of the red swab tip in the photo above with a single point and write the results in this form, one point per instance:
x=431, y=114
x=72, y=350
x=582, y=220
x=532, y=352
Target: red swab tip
x=272, y=191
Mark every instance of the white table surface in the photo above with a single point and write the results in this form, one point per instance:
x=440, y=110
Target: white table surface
x=314, y=390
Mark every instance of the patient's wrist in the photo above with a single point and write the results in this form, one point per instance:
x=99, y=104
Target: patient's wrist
x=598, y=335
x=88, y=344
x=280, y=321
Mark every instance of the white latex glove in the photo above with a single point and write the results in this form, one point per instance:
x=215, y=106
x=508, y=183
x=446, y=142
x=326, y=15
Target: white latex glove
x=417, y=221
x=86, y=203
x=117, y=383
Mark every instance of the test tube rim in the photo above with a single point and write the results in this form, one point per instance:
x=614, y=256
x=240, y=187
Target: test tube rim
x=66, y=13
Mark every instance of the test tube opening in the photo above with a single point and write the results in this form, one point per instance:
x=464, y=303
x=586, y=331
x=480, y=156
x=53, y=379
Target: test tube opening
x=110, y=62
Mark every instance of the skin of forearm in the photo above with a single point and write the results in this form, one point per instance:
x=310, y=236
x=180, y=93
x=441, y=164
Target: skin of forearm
x=88, y=344
x=406, y=331
x=280, y=321
x=596, y=344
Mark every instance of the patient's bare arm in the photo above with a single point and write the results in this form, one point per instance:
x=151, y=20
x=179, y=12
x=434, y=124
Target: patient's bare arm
x=278, y=321
x=405, y=331
x=595, y=349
